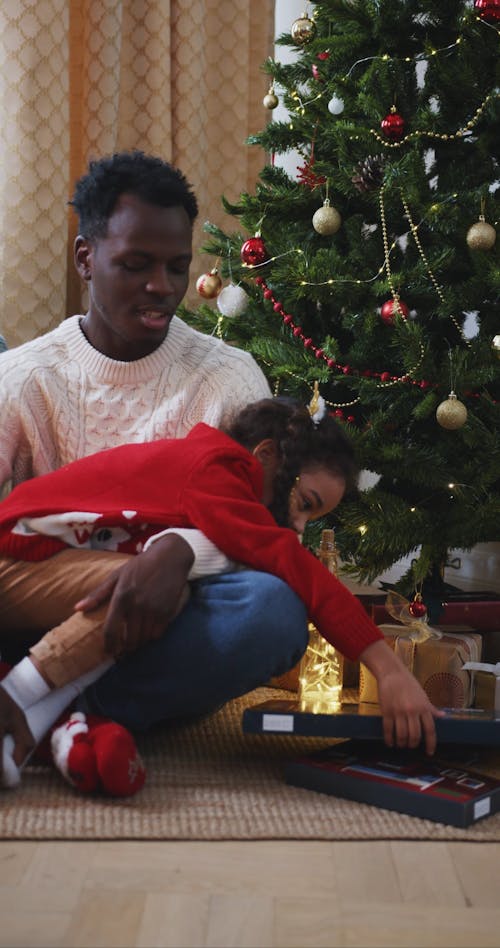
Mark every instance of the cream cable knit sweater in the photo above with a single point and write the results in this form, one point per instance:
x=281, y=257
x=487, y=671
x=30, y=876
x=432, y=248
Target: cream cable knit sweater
x=61, y=399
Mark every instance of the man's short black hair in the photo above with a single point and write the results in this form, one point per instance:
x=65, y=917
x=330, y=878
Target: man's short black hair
x=128, y=172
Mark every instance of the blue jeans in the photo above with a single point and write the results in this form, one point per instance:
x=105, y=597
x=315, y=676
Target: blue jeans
x=236, y=632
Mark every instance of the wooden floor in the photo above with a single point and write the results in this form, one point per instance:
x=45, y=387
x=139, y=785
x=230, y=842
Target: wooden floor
x=247, y=895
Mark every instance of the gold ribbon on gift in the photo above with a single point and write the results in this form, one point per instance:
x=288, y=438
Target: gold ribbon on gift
x=414, y=630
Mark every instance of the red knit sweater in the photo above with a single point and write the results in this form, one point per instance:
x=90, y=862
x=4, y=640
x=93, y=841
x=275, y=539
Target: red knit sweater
x=206, y=481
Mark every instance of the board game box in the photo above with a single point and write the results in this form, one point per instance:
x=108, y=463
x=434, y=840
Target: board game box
x=402, y=780
x=459, y=726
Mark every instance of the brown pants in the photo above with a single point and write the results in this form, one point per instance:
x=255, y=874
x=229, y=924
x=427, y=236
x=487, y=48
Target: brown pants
x=35, y=597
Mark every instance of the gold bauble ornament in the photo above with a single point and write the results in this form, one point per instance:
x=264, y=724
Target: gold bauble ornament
x=481, y=236
x=326, y=220
x=270, y=100
x=303, y=29
x=209, y=284
x=451, y=413
x=495, y=346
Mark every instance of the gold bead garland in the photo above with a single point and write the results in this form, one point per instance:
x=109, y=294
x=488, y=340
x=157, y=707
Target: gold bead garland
x=436, y=135
x=385, y=241
x=298, y=378
x=429, y=271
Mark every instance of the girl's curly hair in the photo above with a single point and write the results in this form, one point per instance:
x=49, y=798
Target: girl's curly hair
x=301, y=444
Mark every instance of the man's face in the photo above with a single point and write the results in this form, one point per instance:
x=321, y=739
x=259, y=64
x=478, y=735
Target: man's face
x=137, y=275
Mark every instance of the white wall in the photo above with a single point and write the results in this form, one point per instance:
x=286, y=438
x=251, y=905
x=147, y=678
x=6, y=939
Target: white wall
x=285, y=12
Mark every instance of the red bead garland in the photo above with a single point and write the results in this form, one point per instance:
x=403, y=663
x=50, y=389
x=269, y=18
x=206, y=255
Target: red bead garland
x=308, y=344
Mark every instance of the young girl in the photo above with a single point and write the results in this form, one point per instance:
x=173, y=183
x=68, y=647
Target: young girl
x=250, y=489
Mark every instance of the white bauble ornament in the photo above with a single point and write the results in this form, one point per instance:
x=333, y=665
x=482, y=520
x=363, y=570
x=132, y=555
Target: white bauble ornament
x=336, y=105
x=452, y=413
x=232, y=301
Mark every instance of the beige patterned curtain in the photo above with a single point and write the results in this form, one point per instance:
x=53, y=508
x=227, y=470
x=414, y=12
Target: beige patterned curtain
x=83, y=78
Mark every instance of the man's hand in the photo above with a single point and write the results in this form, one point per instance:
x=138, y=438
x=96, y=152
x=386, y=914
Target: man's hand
x=13, y=721
x=144, y=595
x=408, y=715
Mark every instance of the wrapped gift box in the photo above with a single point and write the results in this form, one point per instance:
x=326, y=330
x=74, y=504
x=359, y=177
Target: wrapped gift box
x=486, y=685
x=487, y=691
x=437, y=664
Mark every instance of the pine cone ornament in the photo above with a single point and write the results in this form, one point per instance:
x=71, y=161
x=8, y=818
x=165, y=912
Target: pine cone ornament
x=369, y=173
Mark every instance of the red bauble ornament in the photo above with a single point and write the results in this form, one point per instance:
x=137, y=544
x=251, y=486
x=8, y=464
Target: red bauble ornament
x=393, y=126
x=254, y=251
x=488, y=10
x=315, y=70
x=417, y=608
x=391, y=307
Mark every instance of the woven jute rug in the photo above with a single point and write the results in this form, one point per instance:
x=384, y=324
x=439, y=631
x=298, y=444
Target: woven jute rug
x=209, y=781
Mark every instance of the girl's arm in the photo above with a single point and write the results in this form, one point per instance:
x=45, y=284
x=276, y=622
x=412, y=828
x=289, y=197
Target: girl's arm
x=408, y=715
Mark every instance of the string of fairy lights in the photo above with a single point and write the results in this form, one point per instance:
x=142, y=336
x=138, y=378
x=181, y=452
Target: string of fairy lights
x=299, y=105
x=300, y=108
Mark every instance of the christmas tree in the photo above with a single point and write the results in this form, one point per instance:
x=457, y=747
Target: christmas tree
x=374, y=271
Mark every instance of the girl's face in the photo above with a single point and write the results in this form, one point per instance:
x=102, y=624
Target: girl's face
x=316, y=493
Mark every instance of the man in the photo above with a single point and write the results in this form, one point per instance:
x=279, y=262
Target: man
x=131, y=370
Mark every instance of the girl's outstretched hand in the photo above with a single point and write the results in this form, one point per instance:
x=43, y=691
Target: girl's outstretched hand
x=408, y=714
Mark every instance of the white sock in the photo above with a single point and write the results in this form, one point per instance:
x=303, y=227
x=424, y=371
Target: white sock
x=25, y=684
x=42, y=715
x=11, y=772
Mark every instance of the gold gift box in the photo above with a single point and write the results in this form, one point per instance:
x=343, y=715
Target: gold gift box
x=486, y=691
x=436, y=664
